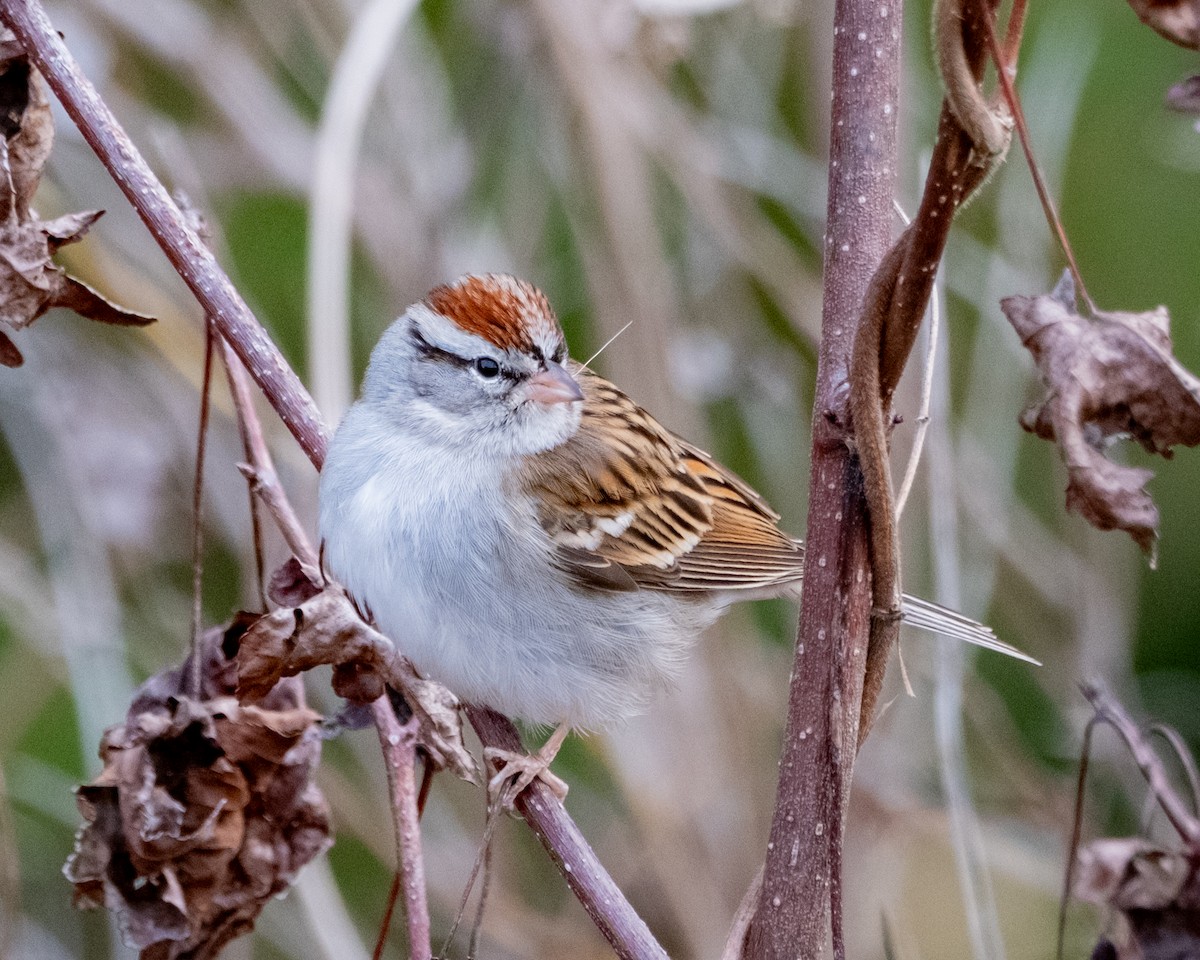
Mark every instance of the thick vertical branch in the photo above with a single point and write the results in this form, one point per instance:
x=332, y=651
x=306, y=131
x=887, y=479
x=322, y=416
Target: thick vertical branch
x=803, y=862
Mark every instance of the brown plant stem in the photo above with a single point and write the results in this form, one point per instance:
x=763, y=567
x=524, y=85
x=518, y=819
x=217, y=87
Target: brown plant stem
x=802, y=871
x=599, y=895
x=399, y=745
x=970, y=143
x=259, y=471
x=195, y=674
x=250, y=429
x=188, y=254
x=1109, y=710
x=1003, y=60
x=570, y=851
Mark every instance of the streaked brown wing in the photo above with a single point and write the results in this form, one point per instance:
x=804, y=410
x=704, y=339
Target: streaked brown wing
x=629, y=506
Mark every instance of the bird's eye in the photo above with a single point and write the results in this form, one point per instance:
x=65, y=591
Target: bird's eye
x=487, y=368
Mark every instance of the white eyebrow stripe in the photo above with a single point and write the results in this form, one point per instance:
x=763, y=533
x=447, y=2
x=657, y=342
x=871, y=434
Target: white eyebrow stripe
x=445, y=334
x=442, y=333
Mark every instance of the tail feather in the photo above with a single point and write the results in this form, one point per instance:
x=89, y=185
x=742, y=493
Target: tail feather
x=947, y=623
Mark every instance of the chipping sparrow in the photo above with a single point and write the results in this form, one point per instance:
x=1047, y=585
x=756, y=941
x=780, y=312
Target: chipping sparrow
x=530, y=536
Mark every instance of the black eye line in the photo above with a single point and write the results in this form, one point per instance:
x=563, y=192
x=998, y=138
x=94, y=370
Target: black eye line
x=433, y=352
x=427, y=349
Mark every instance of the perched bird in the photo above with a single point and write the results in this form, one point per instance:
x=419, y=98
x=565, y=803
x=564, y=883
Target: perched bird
x=530, y=536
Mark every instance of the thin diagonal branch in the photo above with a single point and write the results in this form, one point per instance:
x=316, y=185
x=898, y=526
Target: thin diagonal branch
x=586, y=876
x=1005, y=68
x=188, y=254
x=598, y=893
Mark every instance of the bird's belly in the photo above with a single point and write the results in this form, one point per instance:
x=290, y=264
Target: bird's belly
x=546, y=659
x=482, y=612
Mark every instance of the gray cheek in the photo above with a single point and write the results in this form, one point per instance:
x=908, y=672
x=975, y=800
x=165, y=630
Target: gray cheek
x=463, y=395
x=448, y=388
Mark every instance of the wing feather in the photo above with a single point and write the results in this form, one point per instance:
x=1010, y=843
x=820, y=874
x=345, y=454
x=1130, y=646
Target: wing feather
x=628, y=505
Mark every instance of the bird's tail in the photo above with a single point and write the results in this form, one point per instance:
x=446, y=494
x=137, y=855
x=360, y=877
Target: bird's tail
x=947, y=623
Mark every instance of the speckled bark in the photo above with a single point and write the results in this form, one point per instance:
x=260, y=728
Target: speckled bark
x=803, y=861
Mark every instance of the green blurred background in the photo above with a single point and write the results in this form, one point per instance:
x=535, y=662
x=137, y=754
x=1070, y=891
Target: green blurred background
x=659, y=161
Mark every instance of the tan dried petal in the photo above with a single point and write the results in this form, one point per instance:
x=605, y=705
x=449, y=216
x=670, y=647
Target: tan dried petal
x=1130, y=873
x=1176, y=20
x=292, y=584
x=1106, y=377
x=26, y=125
x=326, y=629
x=1185, y=95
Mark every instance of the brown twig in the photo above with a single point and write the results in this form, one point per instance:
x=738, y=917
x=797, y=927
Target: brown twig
x=260, y=472
x=197, y=661
x=385, y=926
x=1003, y=60
x=1012, y=36
x=482, y=865
x=802, y=869
x=970, y=143
x=1184, y=756
x=399, y=745
x=1186, y=823
x=398, y=742
x=586, y=876
x=601, y=897
x=1109, y=710
x=250, y=430
x=1076, y=834
x=193, y=261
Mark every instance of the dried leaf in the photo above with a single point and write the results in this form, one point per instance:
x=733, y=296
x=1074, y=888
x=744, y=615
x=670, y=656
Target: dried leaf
x=1153, y=890
x=1176, y=20
x=1130, y=873
x=26, y=124
x=326, y=629
x=292, y=584
x=10, y=356
x=1156, y=891
x=1109, y=376
x=1185, y=95
x=204, y=810
x=30, y=282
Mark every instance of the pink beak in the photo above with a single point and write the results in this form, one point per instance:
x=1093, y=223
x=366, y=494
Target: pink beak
x=553, y=385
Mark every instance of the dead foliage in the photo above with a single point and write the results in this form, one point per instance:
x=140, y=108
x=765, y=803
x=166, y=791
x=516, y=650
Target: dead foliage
x=325, y=628
x=204, y=811
x=1176, y=20
x=1108, y=376
x=30, y=282
x=1185, y=95
x=1151, y=890
x=1155, y=891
